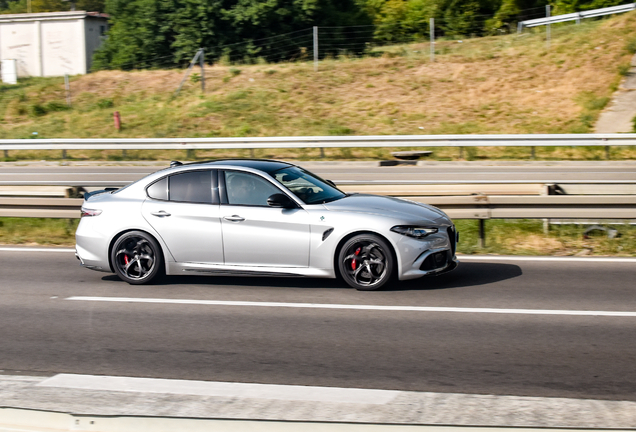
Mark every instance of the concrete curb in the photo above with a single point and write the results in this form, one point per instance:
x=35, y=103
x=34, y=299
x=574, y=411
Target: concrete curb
x=27, y=400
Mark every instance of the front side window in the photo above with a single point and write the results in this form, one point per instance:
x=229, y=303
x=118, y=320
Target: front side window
x=248, y=189
x=310, y=188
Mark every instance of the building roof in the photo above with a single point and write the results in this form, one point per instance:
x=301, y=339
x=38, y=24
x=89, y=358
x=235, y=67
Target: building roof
x=50, y=16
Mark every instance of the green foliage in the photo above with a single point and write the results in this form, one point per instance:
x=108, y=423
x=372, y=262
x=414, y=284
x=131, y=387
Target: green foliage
x=105, y=103
x=54, y=106
x=623, y=69
x=631, y=46
x=20, y=6
x=37, y=110
x=152, y=33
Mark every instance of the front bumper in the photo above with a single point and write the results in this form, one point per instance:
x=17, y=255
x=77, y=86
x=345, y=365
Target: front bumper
x=433, y=255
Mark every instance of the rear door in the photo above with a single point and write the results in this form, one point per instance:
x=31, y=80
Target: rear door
x=184, y=209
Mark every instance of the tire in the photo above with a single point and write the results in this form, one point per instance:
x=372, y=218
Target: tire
x=366, y=262
x=137, y=258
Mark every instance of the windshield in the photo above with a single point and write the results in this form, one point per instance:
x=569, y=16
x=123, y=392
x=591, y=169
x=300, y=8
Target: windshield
x=310, y=188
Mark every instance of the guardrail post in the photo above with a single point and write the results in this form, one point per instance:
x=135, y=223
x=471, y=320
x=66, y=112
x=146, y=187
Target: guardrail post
x=322, y=153
x=461, y=152
x=533, y=154
x=482, y=233
x=607, y=152
x=6, y=154
x=190, y=154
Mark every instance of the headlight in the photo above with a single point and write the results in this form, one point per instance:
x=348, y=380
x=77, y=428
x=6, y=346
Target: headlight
x=414, y=231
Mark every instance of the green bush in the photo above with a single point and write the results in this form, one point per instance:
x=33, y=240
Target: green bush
x=54, y=106
x=37, y=110
x=623, y=69
x=105, y=103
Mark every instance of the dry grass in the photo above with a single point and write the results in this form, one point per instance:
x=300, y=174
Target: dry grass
x=505, y=84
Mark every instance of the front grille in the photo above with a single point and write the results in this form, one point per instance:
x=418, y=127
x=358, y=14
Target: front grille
x=452, y=237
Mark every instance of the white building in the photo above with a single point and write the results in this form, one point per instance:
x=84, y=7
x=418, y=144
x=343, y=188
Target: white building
x=51, y=43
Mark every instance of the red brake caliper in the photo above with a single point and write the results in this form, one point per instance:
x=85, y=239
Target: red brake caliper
x=353, y=261
x=126, y=259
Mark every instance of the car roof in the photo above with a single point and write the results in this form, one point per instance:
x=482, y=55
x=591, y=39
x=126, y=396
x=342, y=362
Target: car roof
x=265, y=165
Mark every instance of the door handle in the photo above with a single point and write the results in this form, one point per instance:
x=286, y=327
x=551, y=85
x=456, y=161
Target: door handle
x=234, y=218
x=160, y=213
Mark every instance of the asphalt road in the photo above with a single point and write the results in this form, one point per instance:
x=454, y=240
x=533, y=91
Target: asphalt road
x=43, y=333
x=540, y=172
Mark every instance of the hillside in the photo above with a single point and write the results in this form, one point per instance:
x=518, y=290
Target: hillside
x=499, y=84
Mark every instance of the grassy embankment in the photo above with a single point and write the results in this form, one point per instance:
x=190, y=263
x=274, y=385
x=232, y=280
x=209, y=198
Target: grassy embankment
x=506, y=84
x=503, y=84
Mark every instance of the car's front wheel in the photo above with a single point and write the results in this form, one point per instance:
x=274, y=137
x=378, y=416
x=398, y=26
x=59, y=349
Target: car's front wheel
x=136, y=258
x=365, y=262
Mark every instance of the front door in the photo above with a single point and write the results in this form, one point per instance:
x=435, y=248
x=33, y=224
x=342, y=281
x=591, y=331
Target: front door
x=255, y=234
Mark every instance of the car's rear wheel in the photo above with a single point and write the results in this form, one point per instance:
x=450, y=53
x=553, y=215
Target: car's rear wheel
x=136, y=258
x=366, y=262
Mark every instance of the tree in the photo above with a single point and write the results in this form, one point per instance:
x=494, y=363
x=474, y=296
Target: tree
x=147, y=33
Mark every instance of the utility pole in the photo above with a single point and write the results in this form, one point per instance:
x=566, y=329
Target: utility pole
x=67, y=86
x=432, y=37
x=202, y=64
x=547, y=27
x=315, y=49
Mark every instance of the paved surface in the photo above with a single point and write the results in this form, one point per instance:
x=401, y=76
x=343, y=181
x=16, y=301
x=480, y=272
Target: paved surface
x=590, y=357
x=618, y=116
x=343, y=172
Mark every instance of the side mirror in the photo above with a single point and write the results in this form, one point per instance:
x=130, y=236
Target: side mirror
x=331, y=183
x=281, y=201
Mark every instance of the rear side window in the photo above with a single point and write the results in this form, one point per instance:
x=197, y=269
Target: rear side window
x=194, y=187
x=191, y=187
x=159, y=190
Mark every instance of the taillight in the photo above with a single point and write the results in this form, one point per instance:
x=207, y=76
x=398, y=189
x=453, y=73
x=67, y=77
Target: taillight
x=90, y=212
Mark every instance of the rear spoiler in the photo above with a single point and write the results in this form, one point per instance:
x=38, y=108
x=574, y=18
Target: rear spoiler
x=87, y=195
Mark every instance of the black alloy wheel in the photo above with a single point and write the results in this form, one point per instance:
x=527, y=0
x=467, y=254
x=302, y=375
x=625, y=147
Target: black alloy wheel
x=137, y=258
x=366, y=262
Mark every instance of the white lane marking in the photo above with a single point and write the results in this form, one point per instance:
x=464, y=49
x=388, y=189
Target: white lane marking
x=355, y=307
x=222, y=389
x=18, y=249
x=543, y=258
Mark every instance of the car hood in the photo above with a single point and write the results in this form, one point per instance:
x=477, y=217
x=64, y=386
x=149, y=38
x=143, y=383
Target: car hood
x=388, y=206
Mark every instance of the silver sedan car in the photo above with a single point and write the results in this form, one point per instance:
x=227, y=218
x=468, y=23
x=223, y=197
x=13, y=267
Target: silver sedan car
x=259, y=218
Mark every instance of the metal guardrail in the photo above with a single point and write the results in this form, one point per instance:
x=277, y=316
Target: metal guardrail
x=528, y=140
x=576, y=16
x=457, y=207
